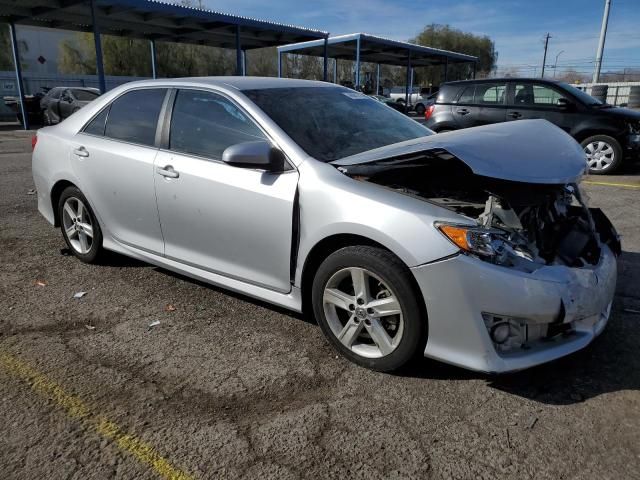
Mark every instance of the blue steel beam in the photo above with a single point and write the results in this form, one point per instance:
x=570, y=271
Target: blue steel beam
x=18, y=69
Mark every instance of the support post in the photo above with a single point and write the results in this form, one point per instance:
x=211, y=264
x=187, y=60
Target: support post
x=446, y=68
x=378, y=79
x=357, y=62
x=335, y=70
x=238, y=52
x=279, y=64
x=475, y=65
x=98, y=44
x=18, y=69
x=406, y=88
x=152, y=46
x=244, y=63
x=325, y=65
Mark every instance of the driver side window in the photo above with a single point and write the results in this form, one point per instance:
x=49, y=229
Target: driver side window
x=205, y=124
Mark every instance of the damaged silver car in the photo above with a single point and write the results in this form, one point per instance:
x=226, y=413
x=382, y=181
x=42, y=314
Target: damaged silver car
x=475, y=247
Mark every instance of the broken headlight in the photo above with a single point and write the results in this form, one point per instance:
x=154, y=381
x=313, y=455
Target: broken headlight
x=481, y=241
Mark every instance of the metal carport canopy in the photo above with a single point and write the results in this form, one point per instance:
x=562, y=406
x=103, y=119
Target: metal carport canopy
x=363, y=47
x=155, y=20
x=152, y=20
x=375, y=49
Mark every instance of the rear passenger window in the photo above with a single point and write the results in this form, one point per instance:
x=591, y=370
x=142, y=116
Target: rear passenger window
x=490, y=93
x=205, y=124
x=467, y=95
x=133, y=117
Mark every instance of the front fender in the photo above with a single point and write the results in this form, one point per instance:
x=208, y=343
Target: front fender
x=332, y=204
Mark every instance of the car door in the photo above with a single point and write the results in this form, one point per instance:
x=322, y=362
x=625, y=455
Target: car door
x=490, y=98
x=464, y=111
x=65, y=105
x=113, y=158
x=228, y=220
x=529, y=100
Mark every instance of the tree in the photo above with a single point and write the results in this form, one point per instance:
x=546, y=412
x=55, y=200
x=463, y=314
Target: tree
x=448, y=38
x=6, y=55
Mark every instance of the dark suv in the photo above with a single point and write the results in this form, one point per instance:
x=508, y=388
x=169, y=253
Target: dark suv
x=606, y=133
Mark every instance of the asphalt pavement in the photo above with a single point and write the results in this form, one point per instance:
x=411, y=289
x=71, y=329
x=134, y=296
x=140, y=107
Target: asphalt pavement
x=228, y=387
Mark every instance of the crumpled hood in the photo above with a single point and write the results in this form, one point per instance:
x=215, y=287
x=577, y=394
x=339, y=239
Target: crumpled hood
x=531, y=151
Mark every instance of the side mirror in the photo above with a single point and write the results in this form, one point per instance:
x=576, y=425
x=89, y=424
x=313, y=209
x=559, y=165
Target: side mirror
x=260, y=155
x=564, y=104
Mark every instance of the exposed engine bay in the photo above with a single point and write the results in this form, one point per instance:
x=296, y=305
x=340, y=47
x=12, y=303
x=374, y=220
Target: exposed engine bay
x=520, y=225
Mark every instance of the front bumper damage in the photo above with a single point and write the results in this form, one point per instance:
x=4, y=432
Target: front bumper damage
x=462, y=291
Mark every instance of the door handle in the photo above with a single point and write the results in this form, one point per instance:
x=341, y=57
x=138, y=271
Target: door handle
x=81, y=152
x=167, y=171
x=515, y=114
x=462, y=111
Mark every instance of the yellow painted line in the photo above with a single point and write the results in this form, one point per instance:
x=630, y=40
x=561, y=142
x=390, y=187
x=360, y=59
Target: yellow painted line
x=611, y=184
x=79, y=410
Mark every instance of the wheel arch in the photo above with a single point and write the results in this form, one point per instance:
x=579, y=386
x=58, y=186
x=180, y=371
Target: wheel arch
x=325, y=247
x=56, y=191
x=590, y=132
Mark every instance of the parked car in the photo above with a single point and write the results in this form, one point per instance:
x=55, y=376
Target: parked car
x=61, y=102
x=389, y=102
x=472, y=247
x=417, y=100
x=31, y=104
x=607, y=134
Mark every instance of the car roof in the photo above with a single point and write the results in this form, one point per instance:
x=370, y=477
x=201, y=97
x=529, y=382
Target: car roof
x=502, y=79
x=235, y=82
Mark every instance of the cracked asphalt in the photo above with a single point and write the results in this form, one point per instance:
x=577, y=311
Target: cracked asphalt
x=227, y=387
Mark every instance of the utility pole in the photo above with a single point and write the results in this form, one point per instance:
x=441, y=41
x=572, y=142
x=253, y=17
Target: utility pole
x=603, y=35
x=544, y=59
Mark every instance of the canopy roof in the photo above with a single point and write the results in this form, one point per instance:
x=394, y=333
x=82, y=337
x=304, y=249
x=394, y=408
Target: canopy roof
x=377, y=50
x=151, y=19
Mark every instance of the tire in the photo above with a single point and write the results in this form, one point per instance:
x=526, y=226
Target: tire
x=445, y=130
x=604, y=154
x=420, y=109
x=84, y=236
x=379, y=342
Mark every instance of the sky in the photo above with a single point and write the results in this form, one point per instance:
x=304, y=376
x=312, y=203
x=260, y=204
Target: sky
x=518, y=27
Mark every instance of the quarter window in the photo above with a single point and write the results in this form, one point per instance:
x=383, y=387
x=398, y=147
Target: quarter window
x=133, y=117
x=96, y=126
x=205, y=124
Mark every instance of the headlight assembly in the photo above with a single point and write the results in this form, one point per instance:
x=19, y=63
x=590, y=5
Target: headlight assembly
x=480, y=241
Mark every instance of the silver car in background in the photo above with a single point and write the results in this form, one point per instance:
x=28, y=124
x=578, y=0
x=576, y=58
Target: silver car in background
x=472, y=247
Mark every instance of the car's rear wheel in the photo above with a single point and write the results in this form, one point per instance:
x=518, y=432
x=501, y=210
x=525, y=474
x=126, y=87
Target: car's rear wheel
x=420, y=109
x=604, y=154
x=367, y=307
x=80, y=228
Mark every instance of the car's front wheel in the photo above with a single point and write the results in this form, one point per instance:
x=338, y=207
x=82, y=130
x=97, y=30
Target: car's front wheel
x=79, y=225
x=366, y=305
x=604, y=154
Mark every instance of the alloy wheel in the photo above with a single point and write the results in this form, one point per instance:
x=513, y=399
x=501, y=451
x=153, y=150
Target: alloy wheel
x=77, y=224
x=600, y=155
x=363, y=313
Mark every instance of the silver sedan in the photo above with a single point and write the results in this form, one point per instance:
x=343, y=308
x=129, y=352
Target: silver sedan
x=472, y=247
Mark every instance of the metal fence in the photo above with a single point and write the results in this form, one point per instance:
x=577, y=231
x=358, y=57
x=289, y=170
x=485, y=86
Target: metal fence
x=33, y=83
x=617, y=92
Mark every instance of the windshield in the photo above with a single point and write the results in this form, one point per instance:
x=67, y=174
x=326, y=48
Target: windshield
x=582, y=96
x=84, y=95
x=334, y=122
